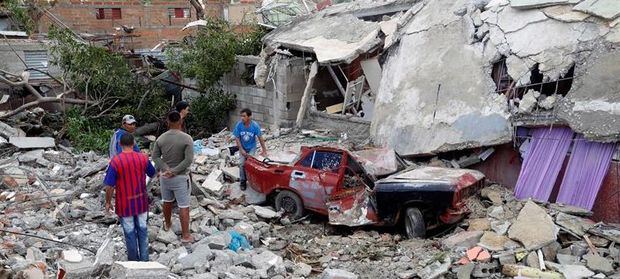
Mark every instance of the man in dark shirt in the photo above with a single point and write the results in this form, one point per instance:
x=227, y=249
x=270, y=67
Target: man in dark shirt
x=127, y=175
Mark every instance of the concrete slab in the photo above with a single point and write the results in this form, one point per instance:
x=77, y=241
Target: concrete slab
x=423, y=82
x=372, y=71
x=608, y=9
x=529, y=4
x=231, y=172
x=565, y=13
x=534, y=228
x=32, y=142
x=333, y=39
x=6, y=131
x=139, y=270
x=82, y=269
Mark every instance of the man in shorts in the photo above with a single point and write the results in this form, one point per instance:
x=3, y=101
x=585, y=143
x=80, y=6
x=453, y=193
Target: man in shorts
x=173, y=154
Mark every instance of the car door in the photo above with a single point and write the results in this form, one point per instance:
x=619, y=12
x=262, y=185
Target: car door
x=315, y=176
x=352, y=203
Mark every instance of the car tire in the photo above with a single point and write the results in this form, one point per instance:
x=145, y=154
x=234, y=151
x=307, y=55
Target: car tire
x=290, y=203
x=414, y=223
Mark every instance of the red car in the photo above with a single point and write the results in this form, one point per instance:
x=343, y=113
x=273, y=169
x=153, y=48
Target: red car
x=336, y=183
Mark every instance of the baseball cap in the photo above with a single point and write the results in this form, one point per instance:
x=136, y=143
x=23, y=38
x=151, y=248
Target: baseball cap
x=129, y=119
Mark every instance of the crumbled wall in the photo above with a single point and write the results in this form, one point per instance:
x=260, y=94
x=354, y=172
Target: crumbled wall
x=593, y=106
x=436, y=72
x=453, y=45
x=276, y=105
x=352, y=128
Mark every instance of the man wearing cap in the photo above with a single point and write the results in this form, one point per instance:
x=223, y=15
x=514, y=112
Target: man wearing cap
x=128, y=126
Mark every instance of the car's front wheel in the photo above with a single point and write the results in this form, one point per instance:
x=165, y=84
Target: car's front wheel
x=290, y=203
x=414, y=223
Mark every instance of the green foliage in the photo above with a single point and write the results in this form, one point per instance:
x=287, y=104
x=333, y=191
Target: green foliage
x=19, y=12
x=250, y=42
x=87, y=134
x=105, y=78
x=209, y=112
x=208, y=56
x=211, y=54
x=100, y=75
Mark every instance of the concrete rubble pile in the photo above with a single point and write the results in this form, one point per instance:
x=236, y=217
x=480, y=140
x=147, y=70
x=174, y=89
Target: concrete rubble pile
x=56, y=198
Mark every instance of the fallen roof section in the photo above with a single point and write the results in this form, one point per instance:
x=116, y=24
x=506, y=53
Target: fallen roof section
x=332, y=38
x=339, y=33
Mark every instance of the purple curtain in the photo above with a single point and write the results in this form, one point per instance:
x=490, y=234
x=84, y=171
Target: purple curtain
x=543, y=161
x=587, y=167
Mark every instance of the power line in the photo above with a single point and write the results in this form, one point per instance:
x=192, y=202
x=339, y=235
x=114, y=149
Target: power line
x=49, y=239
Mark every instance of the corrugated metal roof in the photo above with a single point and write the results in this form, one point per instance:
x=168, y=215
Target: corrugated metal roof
x=37, y=59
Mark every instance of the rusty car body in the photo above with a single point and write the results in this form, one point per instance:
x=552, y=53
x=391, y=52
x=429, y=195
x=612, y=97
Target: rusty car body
x=341, y=185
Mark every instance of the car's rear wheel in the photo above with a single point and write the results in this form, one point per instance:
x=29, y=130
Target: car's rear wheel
x=290, y=203
x=414, y=223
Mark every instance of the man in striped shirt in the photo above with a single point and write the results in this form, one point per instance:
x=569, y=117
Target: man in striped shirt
x=127, y=175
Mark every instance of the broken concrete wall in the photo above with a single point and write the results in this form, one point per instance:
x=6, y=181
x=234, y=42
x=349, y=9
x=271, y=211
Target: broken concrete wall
x=593, y=105
x=274, y=106
x=434, y=93
x=355, y=128
x=439, y=76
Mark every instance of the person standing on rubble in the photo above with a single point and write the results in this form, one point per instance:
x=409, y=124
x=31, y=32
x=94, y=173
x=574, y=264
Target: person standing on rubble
x=128, y=126
x=246, y=131
x=183, y=108
x=126, y=174
x=173, y=154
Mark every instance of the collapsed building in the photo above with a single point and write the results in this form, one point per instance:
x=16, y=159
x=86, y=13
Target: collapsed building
x=532, y=79
x=534, y=73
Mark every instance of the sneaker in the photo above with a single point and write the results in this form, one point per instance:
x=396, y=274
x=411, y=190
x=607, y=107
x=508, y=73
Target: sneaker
x=243, y=185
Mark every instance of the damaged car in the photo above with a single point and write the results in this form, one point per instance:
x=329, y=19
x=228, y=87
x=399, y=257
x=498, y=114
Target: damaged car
x=371, y=187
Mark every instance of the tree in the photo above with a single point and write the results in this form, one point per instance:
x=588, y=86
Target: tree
x=200, y=11
x=206, y=57
x=27, y=12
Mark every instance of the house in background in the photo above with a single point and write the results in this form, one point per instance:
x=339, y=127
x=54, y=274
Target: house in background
x=139, y=25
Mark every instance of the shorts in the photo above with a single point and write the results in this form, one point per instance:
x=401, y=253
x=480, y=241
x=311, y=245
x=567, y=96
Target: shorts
x=176, y=188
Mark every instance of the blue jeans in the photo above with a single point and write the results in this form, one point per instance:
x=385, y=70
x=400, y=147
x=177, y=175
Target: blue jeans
x=242, y=178
x=136, y=237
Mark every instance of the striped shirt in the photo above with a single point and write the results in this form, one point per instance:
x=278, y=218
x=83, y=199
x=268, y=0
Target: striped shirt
x=127, y=174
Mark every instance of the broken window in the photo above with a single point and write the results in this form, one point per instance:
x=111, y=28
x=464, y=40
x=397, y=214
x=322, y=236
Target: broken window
x=560, y=86
x=108, y=13
x=505, y=84
x=327, y=161
x=307, y=162
x=323, y=160
x=355, y=174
